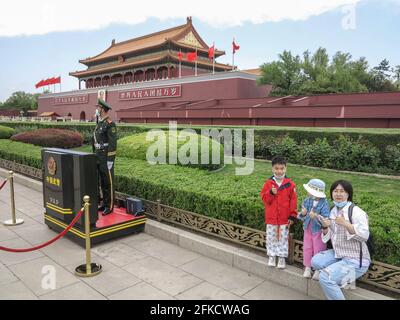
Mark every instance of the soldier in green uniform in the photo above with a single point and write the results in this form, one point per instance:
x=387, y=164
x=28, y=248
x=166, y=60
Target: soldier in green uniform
x=105, y=146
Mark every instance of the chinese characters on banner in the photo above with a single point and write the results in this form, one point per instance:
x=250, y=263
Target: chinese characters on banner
x=71, y=99
x=151, y=93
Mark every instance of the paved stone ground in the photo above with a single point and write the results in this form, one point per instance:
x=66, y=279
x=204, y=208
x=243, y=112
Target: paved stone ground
x=134, y=267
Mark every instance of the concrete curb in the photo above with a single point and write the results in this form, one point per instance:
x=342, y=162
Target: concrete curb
x=231, y=255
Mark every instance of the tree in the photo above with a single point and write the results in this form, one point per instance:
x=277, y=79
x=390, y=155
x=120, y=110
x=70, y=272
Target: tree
x=285, y=74
x=396, y=76
x=317, y=73
x=21, y=100
x=381, y=78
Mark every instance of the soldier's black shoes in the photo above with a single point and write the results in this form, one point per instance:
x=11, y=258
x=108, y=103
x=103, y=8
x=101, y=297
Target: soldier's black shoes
x=106, y=211
x=101, y=208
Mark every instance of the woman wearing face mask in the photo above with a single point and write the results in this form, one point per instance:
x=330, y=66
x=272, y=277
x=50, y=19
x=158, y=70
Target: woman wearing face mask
x=349, y=259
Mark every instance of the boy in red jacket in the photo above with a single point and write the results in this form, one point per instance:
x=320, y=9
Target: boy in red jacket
x=280, y=201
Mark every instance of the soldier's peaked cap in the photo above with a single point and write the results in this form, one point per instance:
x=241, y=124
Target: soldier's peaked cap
x=103, y=104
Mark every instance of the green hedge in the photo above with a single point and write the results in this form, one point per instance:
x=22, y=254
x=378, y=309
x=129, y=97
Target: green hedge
x=365, y=150
x=6, y=132
x=136, y=147
x=20, y=152
x=225, y=196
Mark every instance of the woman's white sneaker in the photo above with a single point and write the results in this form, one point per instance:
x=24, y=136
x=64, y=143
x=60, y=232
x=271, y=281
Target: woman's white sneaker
x=307, y=272
x=281, y=263
x=316, y=275
x=272, y=262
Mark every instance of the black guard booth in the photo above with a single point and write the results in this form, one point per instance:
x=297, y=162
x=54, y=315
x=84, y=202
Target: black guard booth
x=67, y=177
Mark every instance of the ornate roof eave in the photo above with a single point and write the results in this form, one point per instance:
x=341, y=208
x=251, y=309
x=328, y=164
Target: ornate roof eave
x=93, y=59
x=122, y=66
x=85, y=73
x=186, y=28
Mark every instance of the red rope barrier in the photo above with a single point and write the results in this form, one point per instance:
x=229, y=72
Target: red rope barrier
x=3, y=184
x=48, y=242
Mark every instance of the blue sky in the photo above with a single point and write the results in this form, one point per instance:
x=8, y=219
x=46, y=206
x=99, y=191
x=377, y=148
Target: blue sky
x=48, y=46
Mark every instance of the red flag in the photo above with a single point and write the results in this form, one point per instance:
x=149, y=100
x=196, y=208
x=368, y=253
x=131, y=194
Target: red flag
x=47, y=82
x=39, y=84
x=235, y=47
x=51, y=80
x=180, y=55
x=211, y=52
x=191, y=56
x=56, y=80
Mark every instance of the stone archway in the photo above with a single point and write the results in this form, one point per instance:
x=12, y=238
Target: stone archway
x=82, y=116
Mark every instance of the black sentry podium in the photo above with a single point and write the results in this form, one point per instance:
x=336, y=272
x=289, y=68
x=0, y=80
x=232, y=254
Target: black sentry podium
x=67, y=177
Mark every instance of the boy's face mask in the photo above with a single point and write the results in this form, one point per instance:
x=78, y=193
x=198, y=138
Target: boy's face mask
x=97, y=114
x=279, y=171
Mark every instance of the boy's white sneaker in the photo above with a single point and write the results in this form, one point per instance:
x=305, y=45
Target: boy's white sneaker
x=271, y=262
x=307, y=272
x=316, y=275
x=281, y=263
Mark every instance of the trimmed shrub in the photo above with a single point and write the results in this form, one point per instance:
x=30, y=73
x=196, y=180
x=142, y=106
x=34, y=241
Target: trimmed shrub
x=267, y=140
x=20, y=152
x=283, y=146
x=189, y=146
x=53, y=138
x=393, y=157
x=6, y=132
x=317, y=154
x=357, y=155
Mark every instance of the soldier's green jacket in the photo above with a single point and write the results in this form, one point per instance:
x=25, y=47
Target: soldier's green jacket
x=106, y=133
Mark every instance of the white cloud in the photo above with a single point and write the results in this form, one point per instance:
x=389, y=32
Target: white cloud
x=26, y=17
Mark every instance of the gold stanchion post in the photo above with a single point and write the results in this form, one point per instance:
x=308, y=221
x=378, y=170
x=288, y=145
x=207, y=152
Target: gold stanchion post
x=13, y=221
x=89, y=269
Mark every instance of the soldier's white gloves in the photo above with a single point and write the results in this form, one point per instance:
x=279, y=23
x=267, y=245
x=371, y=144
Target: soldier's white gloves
x=110, y=164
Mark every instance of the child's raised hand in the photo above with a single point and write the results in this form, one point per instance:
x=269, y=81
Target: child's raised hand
x=326, y=222
x=303, y=211
x=274, y=191
x=312, y=214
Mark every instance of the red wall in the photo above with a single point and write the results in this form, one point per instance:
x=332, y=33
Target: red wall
x=237, y=100
x=233, y=88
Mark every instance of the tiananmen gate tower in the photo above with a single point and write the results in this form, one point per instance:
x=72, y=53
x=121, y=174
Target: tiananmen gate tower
x=151, y=79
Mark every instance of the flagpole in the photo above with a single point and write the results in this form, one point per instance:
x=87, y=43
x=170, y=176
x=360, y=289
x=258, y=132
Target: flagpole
x=180, y=64
x=195, y=65
x=214, y=58
x=233, y=55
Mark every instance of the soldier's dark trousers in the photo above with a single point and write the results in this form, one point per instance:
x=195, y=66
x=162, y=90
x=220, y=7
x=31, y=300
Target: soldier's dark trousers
x=106, y=181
